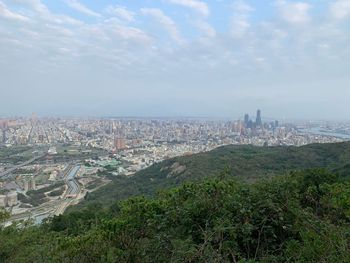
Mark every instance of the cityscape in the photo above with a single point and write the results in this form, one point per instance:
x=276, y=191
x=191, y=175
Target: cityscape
x=49, y=164
x=174, y=131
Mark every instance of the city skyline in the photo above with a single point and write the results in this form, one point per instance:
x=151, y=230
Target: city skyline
x=67, y=158
x=233, y=117
x=171, y=58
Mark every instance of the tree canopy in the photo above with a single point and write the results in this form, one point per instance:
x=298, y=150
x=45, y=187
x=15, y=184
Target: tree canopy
x=300, y=217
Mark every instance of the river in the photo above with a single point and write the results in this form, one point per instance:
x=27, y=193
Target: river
x=321, y=131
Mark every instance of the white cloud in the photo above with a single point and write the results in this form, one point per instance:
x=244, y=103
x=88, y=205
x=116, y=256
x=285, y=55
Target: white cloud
x=165, y=21
x=36, y=5
x=240, y=6
x=122, y=13
x=132, y=33
x=294, y=13
x=240, y=18
x=112, y=28
x=239, y=27
x=63, y=19
x=83, y=55
x=44, y=13
x=199, y=6
x=6, y=13
x=76, y=5
x=206, y=28
x=340, y=9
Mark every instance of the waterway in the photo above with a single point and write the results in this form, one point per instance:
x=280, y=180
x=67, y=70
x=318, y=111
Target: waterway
x=39, y=218
x=321, y=131
x=73, y=187
x=73, y=172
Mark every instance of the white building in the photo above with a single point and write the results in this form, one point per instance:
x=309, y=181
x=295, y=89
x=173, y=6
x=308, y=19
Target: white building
x=3, y=201
x=10, y=199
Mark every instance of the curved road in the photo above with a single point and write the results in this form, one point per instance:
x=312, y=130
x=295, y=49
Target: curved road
x=9, y=171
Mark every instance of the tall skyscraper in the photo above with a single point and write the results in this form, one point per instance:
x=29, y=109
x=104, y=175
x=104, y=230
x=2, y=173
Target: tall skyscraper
x=34, y=119
x=246, y=119
x=3, y=127
x=258, y=118
x=4, y=136
x=250, y=124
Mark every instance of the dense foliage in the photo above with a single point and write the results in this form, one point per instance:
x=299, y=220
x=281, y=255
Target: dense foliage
x=244, y=161
x=301, y=217
x=38, y=197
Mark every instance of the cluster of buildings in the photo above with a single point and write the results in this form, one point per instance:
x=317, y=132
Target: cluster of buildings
x=8, y=200
x=11, y=188
x=129, y=145
x=120, y=134
x=29, y=184
x=258, y=124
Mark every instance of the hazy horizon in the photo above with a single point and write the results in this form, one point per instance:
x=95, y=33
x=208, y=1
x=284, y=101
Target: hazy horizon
x=234, y=117
x=175, y=58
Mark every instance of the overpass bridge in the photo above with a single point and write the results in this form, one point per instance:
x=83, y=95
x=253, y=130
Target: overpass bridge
x=7, y=174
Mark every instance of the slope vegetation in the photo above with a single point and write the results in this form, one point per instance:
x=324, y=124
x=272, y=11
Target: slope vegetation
x=246, y=162
x=300, y=217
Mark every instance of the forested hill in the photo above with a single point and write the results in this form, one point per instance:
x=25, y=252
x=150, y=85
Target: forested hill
x=300, y=216
x=247, y=162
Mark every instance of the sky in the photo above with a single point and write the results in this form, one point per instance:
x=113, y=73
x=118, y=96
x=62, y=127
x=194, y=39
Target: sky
x=199, y=58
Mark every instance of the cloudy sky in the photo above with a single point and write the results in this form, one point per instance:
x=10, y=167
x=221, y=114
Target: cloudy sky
x=216, y=58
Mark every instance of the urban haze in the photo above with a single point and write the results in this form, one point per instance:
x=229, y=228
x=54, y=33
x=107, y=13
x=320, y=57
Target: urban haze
x=174, y=131
x=175, y=58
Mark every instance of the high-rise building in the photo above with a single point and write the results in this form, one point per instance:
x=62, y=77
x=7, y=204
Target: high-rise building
x=246, y=119
x=258, y=118
x=10, y=199
x=33, y=184
x=3, y=127
x=34, y=119
x=29, y=184
x=3, y=200
x=41, y=138
x=250, y=124
x=119, y=143
x=110, y=126
x=4, y=136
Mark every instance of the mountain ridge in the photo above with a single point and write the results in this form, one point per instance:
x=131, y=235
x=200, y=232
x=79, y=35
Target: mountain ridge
x=246, y=162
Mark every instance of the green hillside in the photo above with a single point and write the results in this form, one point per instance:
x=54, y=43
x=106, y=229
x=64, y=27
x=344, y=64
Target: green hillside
x=300, y=217
x=245, y=162
x=233, y=204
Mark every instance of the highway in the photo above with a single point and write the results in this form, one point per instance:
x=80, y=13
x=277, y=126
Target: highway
x=6, y=173
x=36, y=213
x=55, y=207
x=72, y=194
